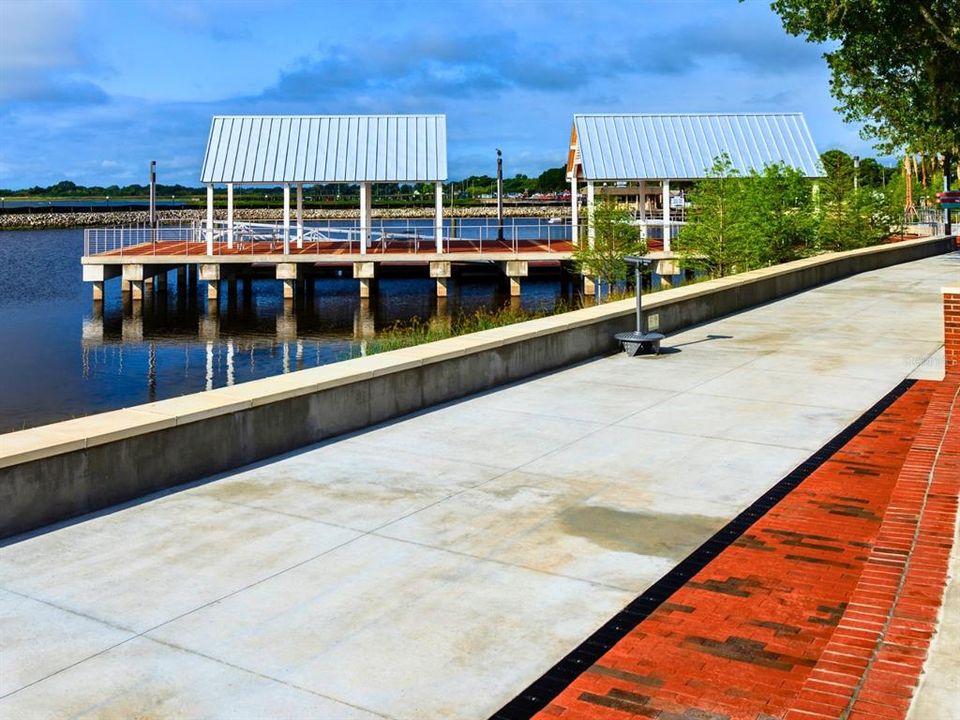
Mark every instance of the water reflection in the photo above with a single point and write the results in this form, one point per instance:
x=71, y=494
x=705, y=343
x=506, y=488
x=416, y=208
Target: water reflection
x=253, y=332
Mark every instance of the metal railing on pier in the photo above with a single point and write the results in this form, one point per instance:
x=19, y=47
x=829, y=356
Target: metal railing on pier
x=414, y=236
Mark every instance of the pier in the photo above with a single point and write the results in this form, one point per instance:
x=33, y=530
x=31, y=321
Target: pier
x=294, y=151
x=226, y=250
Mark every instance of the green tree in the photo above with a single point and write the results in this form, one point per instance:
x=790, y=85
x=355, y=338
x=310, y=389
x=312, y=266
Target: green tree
x=895, y=195
x=779, y=218
x=553, y=180
x=848, y=218
x=895, y=66
x=713, y=240
x=615, y=237
x=872, y=173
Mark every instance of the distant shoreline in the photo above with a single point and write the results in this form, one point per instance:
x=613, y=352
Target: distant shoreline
x=62, y=221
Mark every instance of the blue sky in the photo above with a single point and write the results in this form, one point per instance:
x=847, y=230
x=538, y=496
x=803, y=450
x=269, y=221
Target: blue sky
x=92, y=90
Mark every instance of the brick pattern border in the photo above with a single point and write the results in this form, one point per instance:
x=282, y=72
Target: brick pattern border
x=951, y=330
x=877, y=652
x=539, y=694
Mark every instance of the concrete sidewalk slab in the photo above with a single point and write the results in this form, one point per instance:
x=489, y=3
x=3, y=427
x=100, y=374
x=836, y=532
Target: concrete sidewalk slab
x=434, y=566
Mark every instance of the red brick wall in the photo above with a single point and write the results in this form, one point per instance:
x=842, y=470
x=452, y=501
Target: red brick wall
x=951, y=329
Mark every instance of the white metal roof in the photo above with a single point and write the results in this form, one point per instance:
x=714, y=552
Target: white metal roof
x=683, y=146
x=326, y=148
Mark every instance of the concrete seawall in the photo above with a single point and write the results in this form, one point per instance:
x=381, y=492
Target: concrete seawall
x=66, y=469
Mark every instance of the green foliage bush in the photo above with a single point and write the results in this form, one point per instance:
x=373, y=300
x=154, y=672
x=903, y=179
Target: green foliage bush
x=775, y=215
x=615, y=237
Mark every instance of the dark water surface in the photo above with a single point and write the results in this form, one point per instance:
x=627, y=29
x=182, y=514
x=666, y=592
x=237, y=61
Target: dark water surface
x=62, y=357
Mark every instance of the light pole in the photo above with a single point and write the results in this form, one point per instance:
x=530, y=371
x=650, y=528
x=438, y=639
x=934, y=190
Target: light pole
x=153, y=198
x=499, y=195
x=856, y=173
x=153, y=193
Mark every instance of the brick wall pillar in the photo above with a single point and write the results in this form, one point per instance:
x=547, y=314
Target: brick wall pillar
x=951, y=329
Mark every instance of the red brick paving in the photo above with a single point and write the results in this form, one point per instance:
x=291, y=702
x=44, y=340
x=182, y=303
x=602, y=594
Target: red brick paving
x=825, y=605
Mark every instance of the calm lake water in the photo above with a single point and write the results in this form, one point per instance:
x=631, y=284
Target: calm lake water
x=59, y=358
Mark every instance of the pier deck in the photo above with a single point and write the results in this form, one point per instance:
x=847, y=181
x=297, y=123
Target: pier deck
x=465, y=249
x=139, y=254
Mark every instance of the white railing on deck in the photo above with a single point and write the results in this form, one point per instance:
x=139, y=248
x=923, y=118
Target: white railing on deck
x=116, y=240
x=481, y=235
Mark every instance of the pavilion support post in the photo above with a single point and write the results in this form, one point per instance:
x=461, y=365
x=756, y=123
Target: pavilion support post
x=97, y=290
x=574, y=209
x=665, y=186
x=591, y=203
x=286, y=218
x=230, y=216
x=210, y=219
x=366, y=205
x=299, y=216
x=438, y=218
x=642, y=209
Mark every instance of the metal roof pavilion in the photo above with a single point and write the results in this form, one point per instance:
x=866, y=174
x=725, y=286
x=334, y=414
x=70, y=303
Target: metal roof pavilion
x=308, y=149
x=683, y=146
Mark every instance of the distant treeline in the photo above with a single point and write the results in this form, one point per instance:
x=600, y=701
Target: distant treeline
x=549, y=181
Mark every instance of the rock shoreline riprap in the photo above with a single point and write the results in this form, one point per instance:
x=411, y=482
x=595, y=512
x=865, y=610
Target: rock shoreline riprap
x=51, y=221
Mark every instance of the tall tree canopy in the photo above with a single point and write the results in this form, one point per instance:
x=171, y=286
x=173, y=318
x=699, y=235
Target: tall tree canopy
x=895, y=67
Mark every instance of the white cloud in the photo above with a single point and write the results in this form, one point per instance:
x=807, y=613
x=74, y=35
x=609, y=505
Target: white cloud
x=38, y=34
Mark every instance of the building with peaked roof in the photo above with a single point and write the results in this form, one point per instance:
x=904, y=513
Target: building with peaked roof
x=642, y=149
x=292, y=150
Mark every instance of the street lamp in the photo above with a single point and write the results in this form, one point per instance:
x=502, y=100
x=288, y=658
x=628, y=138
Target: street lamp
x=499, y=195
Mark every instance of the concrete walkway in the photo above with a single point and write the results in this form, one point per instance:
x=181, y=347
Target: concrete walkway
x=435, y=566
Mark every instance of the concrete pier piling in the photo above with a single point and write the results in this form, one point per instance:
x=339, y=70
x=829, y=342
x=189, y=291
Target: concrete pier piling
x=440, y=269
x=515, y=270
x=210, y=273
x=288, y=273
x=366, y=273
